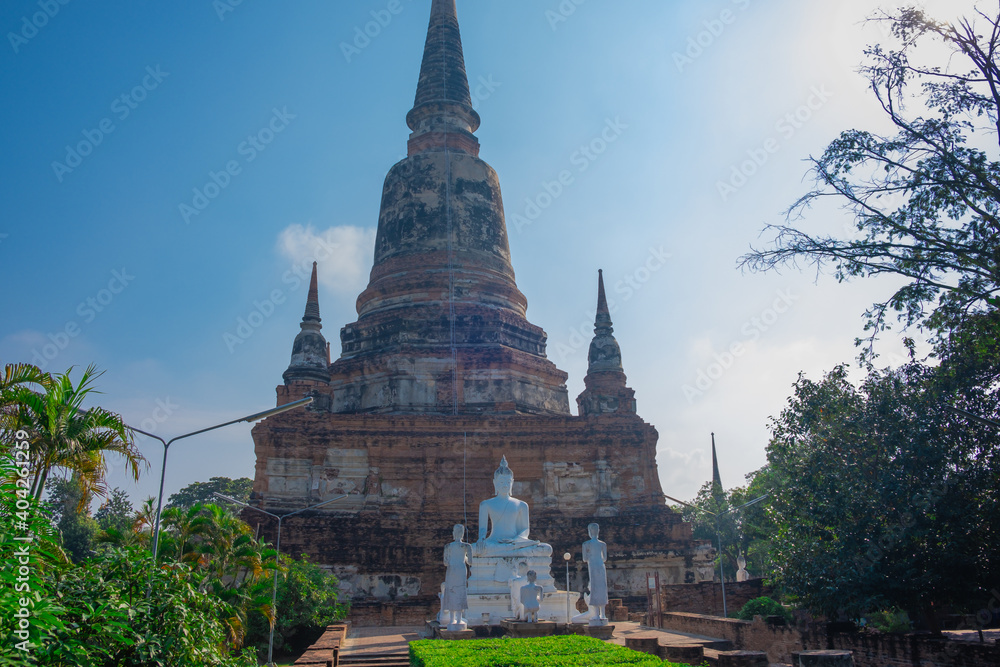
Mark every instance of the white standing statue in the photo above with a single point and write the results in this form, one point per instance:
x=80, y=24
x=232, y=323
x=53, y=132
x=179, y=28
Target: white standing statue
x=531, y=599
x=742, y=574
x=517, y=581
x=595, y=554
x=454, y=601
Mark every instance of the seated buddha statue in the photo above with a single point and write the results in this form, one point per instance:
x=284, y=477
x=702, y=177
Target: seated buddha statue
x=504, y=522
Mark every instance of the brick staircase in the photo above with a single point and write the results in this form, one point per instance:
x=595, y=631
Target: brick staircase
x=396, y=659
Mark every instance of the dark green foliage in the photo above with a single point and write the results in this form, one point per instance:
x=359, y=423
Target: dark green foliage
x=567, y=651
x=882, y=496
x=890, y=621
x=109, y=621
x=202, y=492
x=71, y=508
x=763, y=606
x=116, y=513
x=44, y=555
x=307, y=604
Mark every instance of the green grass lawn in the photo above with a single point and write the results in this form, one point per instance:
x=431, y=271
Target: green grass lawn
x=564, y=651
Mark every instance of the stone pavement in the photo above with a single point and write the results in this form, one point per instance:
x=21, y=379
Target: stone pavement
x=361, y=641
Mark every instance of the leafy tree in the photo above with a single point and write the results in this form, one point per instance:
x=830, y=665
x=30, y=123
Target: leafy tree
x=924, y=199
x=120, y=611
x=203, y=492
x=64, y=435
x=711, y=517
x=882, y=496
x=307, y=603
x=14, y=379
x=71, y=513
x=116, y=513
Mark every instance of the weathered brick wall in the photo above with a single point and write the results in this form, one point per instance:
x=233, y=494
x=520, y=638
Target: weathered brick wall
x=403, y=477
x=777, y=642
x=874, y=650
x=870, y=649
x=706, y=597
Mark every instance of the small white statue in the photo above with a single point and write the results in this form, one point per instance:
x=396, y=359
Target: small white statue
x=516, y=583
x=595, y=553
x=531, y=599
x=742, y=574
x=455, y=599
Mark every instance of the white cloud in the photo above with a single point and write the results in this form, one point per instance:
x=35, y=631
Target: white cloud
x=344, y=254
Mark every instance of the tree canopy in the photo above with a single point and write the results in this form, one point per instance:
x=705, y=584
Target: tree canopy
x=925, y=198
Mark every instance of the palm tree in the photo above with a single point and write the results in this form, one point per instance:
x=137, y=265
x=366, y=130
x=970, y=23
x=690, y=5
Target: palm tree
x=15, y=377
x=62, y=434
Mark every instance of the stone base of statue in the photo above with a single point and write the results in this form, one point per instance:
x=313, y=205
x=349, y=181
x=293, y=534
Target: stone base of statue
x=491, y=572
x=553, y=608
x=604, y=631
x=455, y=634
x=522, y=630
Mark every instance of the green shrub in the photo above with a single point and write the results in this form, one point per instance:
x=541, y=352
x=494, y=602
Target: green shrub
x=564, y=651
x=763, y=606
x=890, y=620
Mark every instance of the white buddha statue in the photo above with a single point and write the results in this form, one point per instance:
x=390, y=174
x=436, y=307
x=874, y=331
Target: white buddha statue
x=506, y=521
x=503, y=543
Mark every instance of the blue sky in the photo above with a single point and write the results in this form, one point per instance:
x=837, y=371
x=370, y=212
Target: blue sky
x=277, y=123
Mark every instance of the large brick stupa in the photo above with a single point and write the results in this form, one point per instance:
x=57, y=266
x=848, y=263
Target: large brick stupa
x=441, y=375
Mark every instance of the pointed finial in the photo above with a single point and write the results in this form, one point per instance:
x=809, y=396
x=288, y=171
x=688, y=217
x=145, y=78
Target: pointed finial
x=312, y=301
x=716, y=477
x=442, y=114
x=603, y=319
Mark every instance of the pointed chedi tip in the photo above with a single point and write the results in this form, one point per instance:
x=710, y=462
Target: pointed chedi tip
x=603, y=318
x=312, y=301
x=442, y=116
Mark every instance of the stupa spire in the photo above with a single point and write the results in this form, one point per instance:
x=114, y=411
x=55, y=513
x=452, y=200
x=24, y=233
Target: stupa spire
x=605, y=355
x=442, y=115
x=312, y=301
x=310, y=351
x=716, y=477
x=606, y=391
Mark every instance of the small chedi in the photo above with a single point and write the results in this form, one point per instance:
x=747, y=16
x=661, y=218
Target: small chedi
x=497, y=589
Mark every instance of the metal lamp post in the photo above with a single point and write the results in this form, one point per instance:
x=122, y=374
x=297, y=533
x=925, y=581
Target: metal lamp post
x=166, y=448
x=718, y=534
x=277, y=549
x=567, y=557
